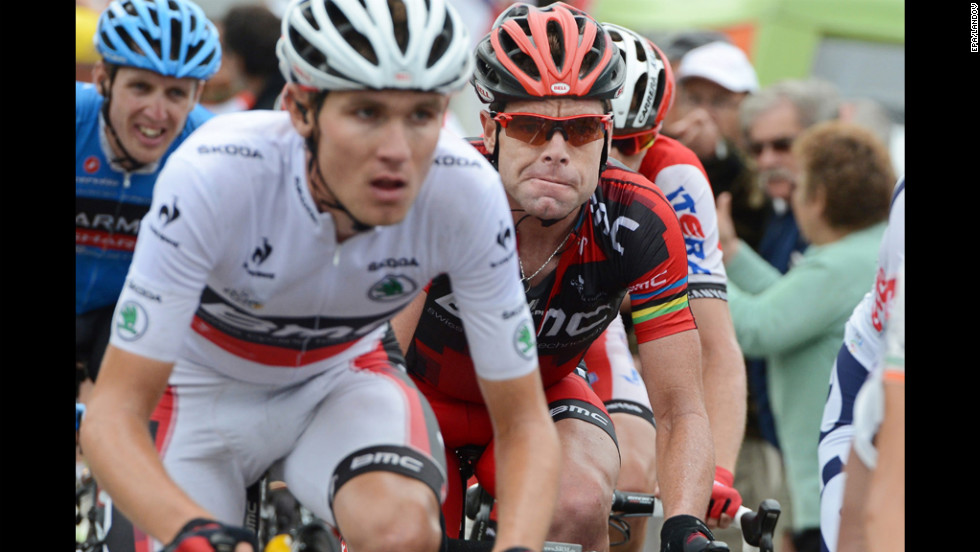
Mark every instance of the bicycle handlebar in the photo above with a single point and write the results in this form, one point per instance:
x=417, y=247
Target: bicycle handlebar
x=758, y=527
x=633, y=503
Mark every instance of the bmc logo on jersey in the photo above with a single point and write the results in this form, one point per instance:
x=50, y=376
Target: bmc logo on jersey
x=91, y=164
x=600, y=219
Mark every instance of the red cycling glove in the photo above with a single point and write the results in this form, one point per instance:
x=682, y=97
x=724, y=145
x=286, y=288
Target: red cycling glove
x=724, y=498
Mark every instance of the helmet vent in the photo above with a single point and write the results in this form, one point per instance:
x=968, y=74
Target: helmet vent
x=639, y=91
x=589, y=61
x=131, y=9
x=399, y=19
x=175, y=40
x=131, y=42
x=306, y=50
x=523, y=61
x=661, y=86
x=556, y=43
x=441, y=43
x=641, y=53
x=356, y=40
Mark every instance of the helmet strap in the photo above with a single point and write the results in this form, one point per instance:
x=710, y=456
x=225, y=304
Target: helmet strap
x=312, y=144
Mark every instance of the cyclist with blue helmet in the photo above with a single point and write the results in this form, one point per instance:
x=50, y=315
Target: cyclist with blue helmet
x=141, y=104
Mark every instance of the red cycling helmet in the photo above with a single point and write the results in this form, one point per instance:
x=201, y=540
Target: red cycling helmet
x=517, y=61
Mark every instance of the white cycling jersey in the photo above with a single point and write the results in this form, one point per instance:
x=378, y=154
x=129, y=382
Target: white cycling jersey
x=869, y=406
x=275, y=328
x=861, y=354
x=239, y=271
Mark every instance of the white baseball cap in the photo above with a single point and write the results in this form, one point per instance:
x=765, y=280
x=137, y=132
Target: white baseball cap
x=722, y=63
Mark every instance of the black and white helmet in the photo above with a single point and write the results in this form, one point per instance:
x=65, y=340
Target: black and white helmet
x=375, y=44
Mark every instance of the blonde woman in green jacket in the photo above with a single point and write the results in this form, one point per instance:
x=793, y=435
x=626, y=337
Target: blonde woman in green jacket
x=796, y=320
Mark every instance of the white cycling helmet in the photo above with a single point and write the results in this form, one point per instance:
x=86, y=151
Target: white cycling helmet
x=375, y=44
x=649, y=88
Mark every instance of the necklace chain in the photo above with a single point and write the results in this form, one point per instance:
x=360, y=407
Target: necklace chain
x=527, y=279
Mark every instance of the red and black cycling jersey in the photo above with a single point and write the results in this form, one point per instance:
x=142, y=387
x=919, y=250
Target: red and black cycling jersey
x=626, y=240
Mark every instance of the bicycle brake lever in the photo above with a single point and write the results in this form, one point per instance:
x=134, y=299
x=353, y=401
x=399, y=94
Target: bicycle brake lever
x=759, y=527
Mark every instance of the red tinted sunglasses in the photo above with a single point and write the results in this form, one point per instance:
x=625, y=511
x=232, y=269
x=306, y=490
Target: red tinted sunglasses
x=631, y=144
x=535, y=129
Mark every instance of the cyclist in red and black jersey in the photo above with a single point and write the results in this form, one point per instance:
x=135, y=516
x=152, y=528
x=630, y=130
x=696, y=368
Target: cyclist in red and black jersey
x=589, y=232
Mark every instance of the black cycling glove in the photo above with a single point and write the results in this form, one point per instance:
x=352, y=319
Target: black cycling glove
x=208, y=535
x=685, y=533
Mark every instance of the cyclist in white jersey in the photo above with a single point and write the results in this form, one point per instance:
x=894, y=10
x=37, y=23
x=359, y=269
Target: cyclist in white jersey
x=277, y=246
x=675, y=169
x=861, y=354
x=884, y=515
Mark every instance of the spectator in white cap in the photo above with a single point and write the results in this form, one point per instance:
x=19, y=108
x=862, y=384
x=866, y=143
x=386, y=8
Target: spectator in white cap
x=720, y=63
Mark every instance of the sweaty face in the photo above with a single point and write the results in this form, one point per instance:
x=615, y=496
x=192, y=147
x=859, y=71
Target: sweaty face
x=551, y=180
x=376, y=147
x=147, y=110
x=768, y=141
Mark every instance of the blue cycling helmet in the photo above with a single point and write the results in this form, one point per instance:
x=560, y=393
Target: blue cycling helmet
x=170, y=37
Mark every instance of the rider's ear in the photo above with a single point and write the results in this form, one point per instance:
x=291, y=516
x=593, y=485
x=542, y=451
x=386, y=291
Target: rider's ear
x=100, y=76
x=297, y=102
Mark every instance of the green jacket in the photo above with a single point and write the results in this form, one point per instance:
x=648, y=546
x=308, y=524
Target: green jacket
x=796, y=323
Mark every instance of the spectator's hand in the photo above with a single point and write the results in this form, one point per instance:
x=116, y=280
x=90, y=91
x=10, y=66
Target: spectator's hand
x=725, y=500
x=727, y=237
x=698, y=131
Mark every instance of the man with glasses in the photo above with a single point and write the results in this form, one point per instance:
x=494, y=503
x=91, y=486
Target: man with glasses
x=770, y=121
x=589, y=232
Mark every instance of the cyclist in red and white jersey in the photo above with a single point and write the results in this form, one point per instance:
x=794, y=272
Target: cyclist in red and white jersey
x=639, y=113
x=589, y=233
x=277, y=246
